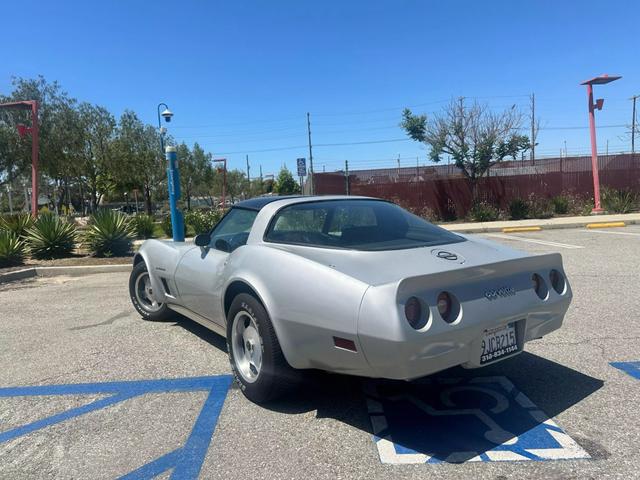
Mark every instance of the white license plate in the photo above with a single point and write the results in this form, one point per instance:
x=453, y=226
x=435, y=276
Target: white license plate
x=498, y=342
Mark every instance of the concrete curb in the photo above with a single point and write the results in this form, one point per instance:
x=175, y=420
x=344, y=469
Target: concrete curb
x=551, y=223
x=72, y=270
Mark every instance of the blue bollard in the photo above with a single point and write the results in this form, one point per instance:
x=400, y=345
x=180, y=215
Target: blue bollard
x=173, y=182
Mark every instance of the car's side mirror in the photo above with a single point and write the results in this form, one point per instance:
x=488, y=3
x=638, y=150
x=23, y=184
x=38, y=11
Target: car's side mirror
x=223, y=245
x=202, y=240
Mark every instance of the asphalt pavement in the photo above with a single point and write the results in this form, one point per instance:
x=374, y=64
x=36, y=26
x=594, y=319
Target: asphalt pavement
x=89, y=390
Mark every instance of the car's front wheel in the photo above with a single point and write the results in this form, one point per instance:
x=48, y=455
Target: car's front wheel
x=256, y=358
x=142, y=296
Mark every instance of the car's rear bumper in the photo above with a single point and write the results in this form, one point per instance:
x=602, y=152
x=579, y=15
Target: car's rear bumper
x=403, y=360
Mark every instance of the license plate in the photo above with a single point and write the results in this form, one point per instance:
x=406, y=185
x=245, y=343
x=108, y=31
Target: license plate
x=498, y=342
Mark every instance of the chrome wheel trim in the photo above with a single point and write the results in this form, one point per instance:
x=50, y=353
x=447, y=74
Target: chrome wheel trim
x=144, y=294
x=247, y=346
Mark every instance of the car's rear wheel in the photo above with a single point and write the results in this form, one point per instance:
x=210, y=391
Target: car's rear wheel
x=142, y=295
x=256, y=358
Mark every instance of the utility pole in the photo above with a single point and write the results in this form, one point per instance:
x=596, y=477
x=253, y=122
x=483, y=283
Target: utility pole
x=311, y=182
x=533, y=129
x=346, y=175
x=633, y=125
x=261, y=184
x=248, y=177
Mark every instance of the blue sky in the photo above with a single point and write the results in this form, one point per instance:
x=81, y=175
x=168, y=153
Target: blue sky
x=241, y=75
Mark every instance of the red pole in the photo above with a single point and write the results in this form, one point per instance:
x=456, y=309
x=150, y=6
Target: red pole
x=34, y=158
x=594, y=152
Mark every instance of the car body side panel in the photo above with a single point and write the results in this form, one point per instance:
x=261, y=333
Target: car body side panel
x=161, y=258
x=308, y=304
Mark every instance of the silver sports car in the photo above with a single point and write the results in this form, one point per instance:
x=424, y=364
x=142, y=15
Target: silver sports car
x=351, y=285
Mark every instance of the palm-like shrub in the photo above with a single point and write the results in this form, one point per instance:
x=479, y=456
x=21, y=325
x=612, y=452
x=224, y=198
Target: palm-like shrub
x=109, y=233
x=18, y=223
x=12, y=248
x=143, y=225
x=51, y=236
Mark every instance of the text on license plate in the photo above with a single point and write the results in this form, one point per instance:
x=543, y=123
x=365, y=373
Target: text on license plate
x=498, y=342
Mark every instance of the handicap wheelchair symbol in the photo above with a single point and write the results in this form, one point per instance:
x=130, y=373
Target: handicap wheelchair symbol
x=458, y=420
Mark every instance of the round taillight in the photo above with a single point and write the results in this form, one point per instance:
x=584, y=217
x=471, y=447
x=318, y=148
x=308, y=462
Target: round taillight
x=557, y=281
x=539, y=286
x=444, y=305
x=413, y=312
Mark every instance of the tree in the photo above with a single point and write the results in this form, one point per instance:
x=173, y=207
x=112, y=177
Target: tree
x=137, y=161
x=285, y=184
x=475, y=137
x=195, y=171
x=98, y=136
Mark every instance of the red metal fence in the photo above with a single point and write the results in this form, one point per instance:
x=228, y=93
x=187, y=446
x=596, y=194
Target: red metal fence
x=444, y=189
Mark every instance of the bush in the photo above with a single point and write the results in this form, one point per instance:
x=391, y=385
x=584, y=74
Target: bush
x=518, y=209
x=51, y=236
x=540, y=207
x=109, y=233
x=484, y=212
x=619, y=201
x=17, y=223
x=167, y=229
x=143, y=225
x=202, y=220
x=428, y=213
x=560, y=204
x=12, y=248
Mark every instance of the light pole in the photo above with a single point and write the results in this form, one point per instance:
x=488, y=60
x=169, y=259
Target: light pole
x=224, y=179
x=166, y=114
x=601, y=80
x=173, y=182
x=33, y=130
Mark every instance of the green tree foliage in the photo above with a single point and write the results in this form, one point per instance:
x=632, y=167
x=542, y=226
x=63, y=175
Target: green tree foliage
x=475, y=137
x=196, y=172
x=137, y=162
x=285, y=184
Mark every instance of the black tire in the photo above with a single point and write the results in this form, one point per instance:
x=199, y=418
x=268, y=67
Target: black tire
x=144, y=309
x=275, y=377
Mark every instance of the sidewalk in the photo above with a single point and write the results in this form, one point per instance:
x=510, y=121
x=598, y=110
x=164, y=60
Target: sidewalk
x=545, y=224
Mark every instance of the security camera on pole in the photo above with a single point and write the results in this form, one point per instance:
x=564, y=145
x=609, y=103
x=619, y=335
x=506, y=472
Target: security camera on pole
x=173, y=176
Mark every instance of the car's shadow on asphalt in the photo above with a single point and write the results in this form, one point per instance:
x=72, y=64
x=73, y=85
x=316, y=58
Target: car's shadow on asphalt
x=425, y=417
x=551, y=387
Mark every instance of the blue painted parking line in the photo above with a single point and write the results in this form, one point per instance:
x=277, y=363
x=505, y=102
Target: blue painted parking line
x=632, y=368
x=185, y=461
x=458, y=420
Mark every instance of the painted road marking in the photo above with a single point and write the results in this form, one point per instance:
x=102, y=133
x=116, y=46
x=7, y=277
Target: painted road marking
x=185, y=461
x=482, y=419
x=633, y=234
x=533, y=240
x=632, y=368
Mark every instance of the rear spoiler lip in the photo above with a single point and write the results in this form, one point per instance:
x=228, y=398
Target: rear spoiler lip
x=475, y=273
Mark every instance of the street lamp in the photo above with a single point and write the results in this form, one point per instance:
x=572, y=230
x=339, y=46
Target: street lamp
x=601, y=80
x=33, y=130
x=166, y=114
x=224, y=179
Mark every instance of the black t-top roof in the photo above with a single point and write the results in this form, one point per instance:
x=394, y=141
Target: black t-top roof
x=258, y=202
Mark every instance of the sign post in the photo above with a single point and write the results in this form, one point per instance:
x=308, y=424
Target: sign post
x=302, y=170
x=173, y=182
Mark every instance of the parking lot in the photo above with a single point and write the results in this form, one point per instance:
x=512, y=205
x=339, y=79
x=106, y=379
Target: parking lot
x=89, y=390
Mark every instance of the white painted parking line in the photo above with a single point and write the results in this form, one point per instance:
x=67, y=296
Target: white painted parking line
x=633, y=234
x=533, y=240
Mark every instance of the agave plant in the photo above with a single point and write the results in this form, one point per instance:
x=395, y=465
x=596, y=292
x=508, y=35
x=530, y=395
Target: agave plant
x=109, y=233
x=18, y=223
x=12, y=248
x=143, y=225
x=51, y=236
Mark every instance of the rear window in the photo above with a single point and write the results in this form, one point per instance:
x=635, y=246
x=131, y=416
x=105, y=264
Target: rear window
x=354, y=224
